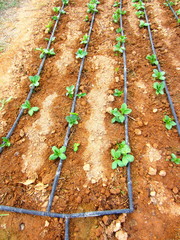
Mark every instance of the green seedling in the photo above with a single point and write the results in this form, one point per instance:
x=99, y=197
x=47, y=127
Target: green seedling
x=94, y=2
x=55, y=18
x=56, y=9
x=49, y=26
x=76, y=147
x=80, y=95
x=121, y=156
x=158, y=75
x=116, y=4
x=44, y=51
x=119, y=114
x=116, y=15
x=178, y=12
x=58, y=153
x=4, y=101
x=170, y=3
x=86, y=19
x=122, y=12
x=5, y=142
x=81, y=53
x=72, y=119
x=92, y=8
x=85, y=39
x=159, y=87
x=140, y=14
x=152, y=59
x=119, y=48
x=31, y=110
x=116, y=69
x=65, y=2
x=118, y=30
x=169, y=123
x=117, y=93
x=70, y=91
x=121, y=39
x=174, y=159
x=63, y=11
x=4, y=215
x=34, y=80
x=52, y=39
x=139, y=6
x=143, y=24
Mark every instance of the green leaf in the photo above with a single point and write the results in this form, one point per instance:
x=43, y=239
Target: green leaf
x=53, y=157
x=117, y=93
x=114, y=165
x=80, y=95
x=81, y=53
x=76, y=147
x=34, y=80
x=121, y=164
x=128, y=158
x=159, y=87
x=124, y=109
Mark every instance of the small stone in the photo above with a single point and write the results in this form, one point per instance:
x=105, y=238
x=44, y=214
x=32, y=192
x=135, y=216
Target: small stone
x=22, y=226
x=117, y=226
x=86, y=167
x=16, y=154
x=111, y=28
x=116, y=79
x=83, y=103
x=155, y=110
x=145, y=123
x=152, y=171
x=121, y=235
x=110, y=98
x=108, y=109
x=133, y=52
x=122, y=217
x=152, y=193
x=162, y=173
x=175, y=190
x=93, y=181
x=139, y=122
x=46, y=224
x=137, y=132
x=105, y=220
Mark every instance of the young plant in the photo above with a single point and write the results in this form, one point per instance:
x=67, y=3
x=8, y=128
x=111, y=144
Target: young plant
x=49, y=27
x=178, y=12
x=92, y=8
x=121, y=157
x=76, y=147
x=86, y=19
x=119, y=114
x=81, y=53
x=116, y=4
x=65, y=2
x=80, y=95
x=121, y=39
x=158, y=75
x=31, y=110
x=119, y=48
x=85, y=39
x=70, y=91
x=4, y=101
x=139, y=6
x=56, y=9
x=152, y=59
x=94, y=2
x=5, y=142
x=72, y=119
x=116, y=15
x=58, y=153
x=34, y=80
x=140, y=14
x=45, y=51
x=170, y=4
x=52, y=39
x=159, y=87
x=169, y=123
x=174, y=159
x=55, y=18
x=143, y=24
x=118, y=30
x=117, y=93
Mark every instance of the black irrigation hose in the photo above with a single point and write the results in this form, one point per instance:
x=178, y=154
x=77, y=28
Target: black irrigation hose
x=129, y=182
x=159, y=69
x=38, y=73
x=66, y=140
x=175, y=15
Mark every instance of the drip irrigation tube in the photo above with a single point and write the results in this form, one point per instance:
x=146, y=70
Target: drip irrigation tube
x=66, y=140
x=159, y=69
x=175, y=15
x=38, y=73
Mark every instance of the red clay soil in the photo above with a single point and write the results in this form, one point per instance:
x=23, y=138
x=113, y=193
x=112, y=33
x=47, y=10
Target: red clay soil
x=87, y=182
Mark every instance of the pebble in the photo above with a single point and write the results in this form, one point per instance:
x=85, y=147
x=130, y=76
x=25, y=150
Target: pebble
x=152, y=171
x=105, y=220
x=117, y=226
x=116, y=79
x=137, y=132
x=108, y=109
x=111, y=28
x=145, y=123
x=115, y=191
x=46, y=224
x=86, y=167
x=175, y=190
x=121, y=235
x=110, y=98
x=22, y=226
x=83, y=103
x=139, y=122
x=155, y=110
x=162, y=173
x=152, y=193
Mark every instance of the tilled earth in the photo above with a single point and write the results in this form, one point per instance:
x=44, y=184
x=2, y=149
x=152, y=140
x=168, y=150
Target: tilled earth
x=87, y=182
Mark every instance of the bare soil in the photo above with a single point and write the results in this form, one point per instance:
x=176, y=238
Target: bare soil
x=87, y=182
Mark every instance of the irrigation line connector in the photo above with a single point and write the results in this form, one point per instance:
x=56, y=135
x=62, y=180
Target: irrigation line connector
x=159, y=69
x=9, y=134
